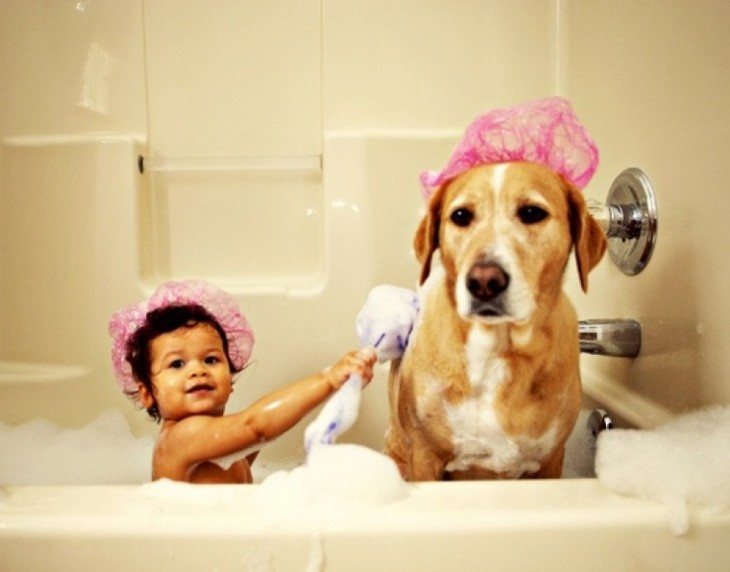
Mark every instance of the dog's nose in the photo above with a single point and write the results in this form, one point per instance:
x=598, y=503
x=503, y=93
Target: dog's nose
x=486, y=280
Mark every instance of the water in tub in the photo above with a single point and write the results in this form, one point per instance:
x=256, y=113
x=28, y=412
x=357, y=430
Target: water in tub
x=683, y=464
x=105, y=451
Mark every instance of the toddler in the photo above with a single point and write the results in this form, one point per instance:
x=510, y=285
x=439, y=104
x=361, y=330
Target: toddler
x=176, y=355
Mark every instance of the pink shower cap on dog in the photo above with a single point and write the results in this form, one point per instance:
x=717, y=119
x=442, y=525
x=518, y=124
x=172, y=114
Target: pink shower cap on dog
x=543, y=131
x=221, y=305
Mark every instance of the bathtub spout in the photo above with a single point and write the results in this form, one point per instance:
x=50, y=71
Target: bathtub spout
x=618, y=338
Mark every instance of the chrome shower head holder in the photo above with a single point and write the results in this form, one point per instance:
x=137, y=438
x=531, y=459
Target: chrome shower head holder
x=629, y=219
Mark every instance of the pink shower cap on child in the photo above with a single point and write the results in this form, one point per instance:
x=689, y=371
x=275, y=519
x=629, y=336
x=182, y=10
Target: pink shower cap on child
x=221, y=305
x=543, y=131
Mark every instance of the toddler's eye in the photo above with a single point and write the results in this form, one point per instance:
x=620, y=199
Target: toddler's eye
x=212, y=360
x=176, y=364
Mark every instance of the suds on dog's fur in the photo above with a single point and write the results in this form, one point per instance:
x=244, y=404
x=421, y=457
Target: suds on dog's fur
x=479, y=439
x=486, y=371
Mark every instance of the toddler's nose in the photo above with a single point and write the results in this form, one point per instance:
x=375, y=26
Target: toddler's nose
x=198, y=369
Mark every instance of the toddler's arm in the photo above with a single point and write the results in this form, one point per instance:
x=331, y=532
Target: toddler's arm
x=278, y=411
x=201, y=438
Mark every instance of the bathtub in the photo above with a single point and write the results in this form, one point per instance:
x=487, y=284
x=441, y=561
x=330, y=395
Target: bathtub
x=566, y=524
x=89, y=87
x=523, y=525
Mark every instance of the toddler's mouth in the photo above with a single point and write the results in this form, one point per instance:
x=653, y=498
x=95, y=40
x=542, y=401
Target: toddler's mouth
x=200, y=388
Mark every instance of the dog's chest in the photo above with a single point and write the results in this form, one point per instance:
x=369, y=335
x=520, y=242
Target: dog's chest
x=478, y=437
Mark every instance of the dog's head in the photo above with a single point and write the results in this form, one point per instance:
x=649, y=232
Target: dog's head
x=504, y=233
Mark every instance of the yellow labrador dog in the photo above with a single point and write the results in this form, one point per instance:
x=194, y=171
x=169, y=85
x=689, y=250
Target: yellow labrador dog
x=489, y=385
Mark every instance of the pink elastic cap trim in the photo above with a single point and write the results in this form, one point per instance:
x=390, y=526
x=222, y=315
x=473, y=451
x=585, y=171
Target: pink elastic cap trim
x=221, y=305
x=543, y=131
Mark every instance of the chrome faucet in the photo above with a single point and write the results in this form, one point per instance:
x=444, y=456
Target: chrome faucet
x=599, y=420
x=619, y=338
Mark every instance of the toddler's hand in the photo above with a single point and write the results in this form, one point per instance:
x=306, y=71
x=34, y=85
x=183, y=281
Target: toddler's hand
x=352, y=363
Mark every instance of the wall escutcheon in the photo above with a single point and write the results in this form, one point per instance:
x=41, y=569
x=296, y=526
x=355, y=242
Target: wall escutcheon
x=629, y=219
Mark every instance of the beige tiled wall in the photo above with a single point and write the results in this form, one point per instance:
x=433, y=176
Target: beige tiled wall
x=374, y=91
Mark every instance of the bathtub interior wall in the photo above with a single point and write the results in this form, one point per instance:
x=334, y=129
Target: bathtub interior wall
x=285, y=166
x=650, y=79
x=290, y=135
x=71, y=68
x=64, y=260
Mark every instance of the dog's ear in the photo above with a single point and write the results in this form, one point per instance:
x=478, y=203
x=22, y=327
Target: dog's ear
x=589, y=241
x=426, y=240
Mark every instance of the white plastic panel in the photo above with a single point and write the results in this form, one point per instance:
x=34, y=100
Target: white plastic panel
x=410, y=64
x=233, y=78
x=69, y=258
x=251, y=229
x=71, y=67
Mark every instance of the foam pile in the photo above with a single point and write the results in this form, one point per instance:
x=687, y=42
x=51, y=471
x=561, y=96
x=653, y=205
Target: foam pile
x=334, y=476
x=104, y=451
x=683, y=464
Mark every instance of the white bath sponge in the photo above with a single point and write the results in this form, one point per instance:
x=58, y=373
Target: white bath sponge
x=386, y=320
x=384, y=323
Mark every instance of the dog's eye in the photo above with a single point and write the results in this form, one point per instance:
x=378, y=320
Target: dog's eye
x=531, y=214
x=462, y=217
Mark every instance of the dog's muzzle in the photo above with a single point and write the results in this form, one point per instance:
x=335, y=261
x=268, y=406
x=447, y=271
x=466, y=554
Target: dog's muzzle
x=487, y=283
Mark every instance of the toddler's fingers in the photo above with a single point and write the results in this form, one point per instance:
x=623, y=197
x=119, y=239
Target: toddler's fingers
x=369, y=354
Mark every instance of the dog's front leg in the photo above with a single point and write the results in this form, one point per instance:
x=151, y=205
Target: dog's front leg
x=405, y=441
x=552, y=467
x=414, y=458
x=395, y=448
x=425, y=465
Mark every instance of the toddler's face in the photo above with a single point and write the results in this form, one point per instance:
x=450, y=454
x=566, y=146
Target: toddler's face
x=190, y=373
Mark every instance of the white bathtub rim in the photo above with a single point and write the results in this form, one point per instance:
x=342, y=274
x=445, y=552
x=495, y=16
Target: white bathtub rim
x=536, y=505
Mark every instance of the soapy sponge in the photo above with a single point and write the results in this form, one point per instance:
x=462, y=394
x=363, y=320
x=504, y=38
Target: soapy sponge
x=384, y=323
x=386, y=320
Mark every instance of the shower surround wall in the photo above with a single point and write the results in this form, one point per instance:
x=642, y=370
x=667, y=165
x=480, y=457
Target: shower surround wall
x=651, y=79
x=283, y=142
